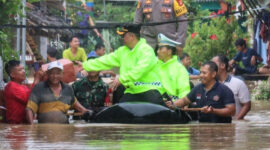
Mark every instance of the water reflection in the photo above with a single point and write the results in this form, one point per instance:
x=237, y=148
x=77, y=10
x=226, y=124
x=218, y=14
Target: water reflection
x=253, y=133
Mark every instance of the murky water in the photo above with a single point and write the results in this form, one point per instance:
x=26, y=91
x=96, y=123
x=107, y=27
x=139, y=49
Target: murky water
x=253, y=133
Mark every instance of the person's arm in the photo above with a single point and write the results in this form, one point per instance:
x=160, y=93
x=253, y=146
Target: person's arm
x=105, y=62
x=244, y=110
x=244, y=98
x=229, y=102
x=145, y=64
x=180, y=14
x=29, y=116
x=138, y=19
x=79, y=107
x=255, y=58
x=21, y=94
x=37, y=77
x=91, y=22
x=182, y=30
x=194, y=77
x=32, y=105
x=228, y=111
x=182, y=102
x=231, y=62
x=84, y=57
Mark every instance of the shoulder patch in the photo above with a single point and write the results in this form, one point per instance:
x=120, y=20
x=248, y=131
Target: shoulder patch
x=179, y=8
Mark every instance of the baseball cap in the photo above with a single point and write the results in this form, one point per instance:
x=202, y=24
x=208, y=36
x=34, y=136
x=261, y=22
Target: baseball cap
x=55, y=64
x=163, y=41
x=129, y=28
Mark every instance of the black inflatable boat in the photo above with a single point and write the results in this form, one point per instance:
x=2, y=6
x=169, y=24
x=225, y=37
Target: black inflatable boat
x=140, y=113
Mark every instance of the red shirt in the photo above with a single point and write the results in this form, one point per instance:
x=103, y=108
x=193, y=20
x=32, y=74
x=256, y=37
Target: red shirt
x=16, y=97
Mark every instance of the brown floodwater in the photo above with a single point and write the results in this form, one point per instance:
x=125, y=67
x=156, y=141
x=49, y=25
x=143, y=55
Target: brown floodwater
x=252, y=133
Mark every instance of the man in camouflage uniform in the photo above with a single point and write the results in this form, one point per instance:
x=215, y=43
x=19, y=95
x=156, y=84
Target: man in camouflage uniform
x=149, y=11
x=91, y=91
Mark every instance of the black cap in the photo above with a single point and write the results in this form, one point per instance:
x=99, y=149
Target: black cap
x=129, y=28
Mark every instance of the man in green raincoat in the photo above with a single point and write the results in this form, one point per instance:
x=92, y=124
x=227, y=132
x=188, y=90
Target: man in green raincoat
x=173, y=75
x=138, y=67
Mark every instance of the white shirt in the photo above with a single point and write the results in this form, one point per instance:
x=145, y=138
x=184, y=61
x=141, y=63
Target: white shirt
x=240, y=91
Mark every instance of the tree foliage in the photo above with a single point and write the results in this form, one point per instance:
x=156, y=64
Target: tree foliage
x=9, y=10
x=207, y=38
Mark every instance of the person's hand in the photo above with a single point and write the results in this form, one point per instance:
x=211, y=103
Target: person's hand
x=170, y=104
x=253, y=61
x=98, y=34
x=231, y=62
x=38, y=75
x=116, y=82
x=84, y=73
x=108, y=104
x=111, y=50
x=79, y=65
x=88, y=115
x=207, y=109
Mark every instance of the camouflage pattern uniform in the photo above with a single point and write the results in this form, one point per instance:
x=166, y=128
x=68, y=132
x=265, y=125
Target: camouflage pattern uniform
x=90, y=94
x=149, y=11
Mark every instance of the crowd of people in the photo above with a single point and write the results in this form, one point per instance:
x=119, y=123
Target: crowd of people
x=161, y=77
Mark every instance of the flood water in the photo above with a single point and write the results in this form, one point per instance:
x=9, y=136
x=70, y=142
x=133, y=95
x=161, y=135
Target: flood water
x=252, y=133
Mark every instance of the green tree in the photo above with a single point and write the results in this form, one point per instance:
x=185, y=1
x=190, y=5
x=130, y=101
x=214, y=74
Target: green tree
x=9, y=10
x=207, y=38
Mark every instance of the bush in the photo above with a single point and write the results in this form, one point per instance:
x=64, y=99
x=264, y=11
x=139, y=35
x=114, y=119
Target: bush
x=209, y=38
x=262, y=91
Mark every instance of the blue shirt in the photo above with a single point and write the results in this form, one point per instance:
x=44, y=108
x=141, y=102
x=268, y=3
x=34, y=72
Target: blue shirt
x=246, y=58
x=218, y=97
x=193, y=71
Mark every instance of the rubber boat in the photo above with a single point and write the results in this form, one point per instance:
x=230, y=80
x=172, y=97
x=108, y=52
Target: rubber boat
x=140, y=113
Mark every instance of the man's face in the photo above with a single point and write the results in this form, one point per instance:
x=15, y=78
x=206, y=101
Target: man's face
x=18, y=73
x=128, y=38
x=186, y=62
x=240, y=48
x=55, y=75
x=163, y=52
x=75, y=43
x=206, y=74
x=101, y=51
x=92, y=74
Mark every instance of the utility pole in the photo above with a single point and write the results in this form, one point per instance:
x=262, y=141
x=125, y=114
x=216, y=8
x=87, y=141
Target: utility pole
x=18, y=40
x=23, y=33
x=104, y=8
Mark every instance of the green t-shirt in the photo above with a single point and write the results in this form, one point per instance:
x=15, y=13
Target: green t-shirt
x=80, y=55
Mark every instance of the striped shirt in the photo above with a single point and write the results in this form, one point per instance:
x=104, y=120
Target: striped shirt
x=49, y=107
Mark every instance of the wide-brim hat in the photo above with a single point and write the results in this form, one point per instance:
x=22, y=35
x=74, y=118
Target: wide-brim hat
x=164, y=41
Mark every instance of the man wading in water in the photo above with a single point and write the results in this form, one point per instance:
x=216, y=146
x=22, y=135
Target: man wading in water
x=51, y=99
x=216, y=99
